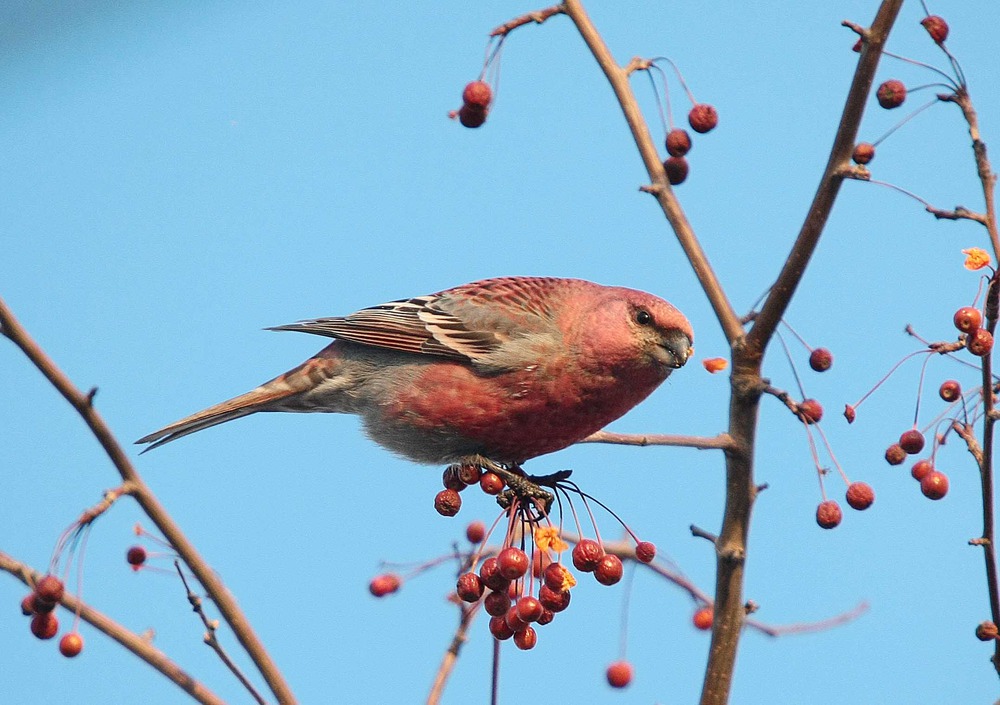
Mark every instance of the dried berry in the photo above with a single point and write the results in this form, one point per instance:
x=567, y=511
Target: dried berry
x=478, y=94
x=447, y=503
x=469, y=473
x=936, y=27
x=609, y=570
x=849, y=413
x=828, y=514
x=677, y=170
x=499, y=628
x=912, y=441
x=920, y=469
x=472, y=115
x=950, y=390
x=891, y=94
x=894, y=454
x=586, y=555
x=469, y=587
x=986, y=631
x=968, y=319
x=645, y=552
x=512, y=563
x=556, y=577
x=619, y=674
x=810, y=411
x=496, y=604
x=553, y=600
x=525, y=639
x=703, y=118
x=979, y=342
x=50, y=589
x=678, y=142
x=135, y=556
x=451, y=480
x=863, y=153
x=385, y=584
x=44, y=626
x=489, y=572
x=934, y=485
x=860, y=495
x=821, y=359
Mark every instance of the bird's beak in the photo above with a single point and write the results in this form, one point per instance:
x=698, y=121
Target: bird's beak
x=678, y=349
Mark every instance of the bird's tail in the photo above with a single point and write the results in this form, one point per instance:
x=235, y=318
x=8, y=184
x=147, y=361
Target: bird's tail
x=287, y=392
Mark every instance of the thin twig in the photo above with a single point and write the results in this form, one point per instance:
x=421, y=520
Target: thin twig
x=720, y=442
x=467, y=615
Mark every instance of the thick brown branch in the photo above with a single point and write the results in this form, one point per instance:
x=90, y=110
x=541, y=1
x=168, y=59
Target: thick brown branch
x=720, y=442
x=130, y=640
x=138, y=489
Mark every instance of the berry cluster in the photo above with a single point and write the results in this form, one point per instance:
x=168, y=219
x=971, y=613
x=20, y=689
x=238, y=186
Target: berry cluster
x=40, y=605
x=456, y=478
x=476, y=100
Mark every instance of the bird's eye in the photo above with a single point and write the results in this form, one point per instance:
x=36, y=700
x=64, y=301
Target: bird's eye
x=643, y=317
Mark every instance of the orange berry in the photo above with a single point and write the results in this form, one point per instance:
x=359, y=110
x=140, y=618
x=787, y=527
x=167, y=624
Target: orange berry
x=703, y=618
x=828, y=514
x=619, y=674
x=71, y=645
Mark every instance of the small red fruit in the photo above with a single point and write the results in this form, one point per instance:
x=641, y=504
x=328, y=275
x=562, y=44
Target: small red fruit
x=703, y=618
x=810, y=411
x=451, y=480
x=475, y=532
x=28, y=604
x=912, y=441
x=447, y=503
x=496, y=604
x=71, y=645
x=469, y=587
x=863, y=153
x=546, y=618
x=619, y=674
x=936, y=27
x=553, y=600
x=894, y=454
x=857, y=46
x=469, y=473
x=849, y=413
x=986, y=631
x=556, y=577
x=703, y=118
x=609, y=570
x=979, y=342
x=860, y=495
x=821, y=359
x=512, y=563
x=136, y=557
x=489, y=572
x=920, y=469
x=950, y=390
x=385, y=584
x=828, y=514
x=645, y=552
x=50, y=589
x=529, y=609
x=677, y=170
x=934, y=485
x=490, y=483
x=968, y=319
x=44, y=626
x=586, y=554
x=891, y=94
x=472, y=116
x=477, y=93
x=513, y=620
x=678, y=142
x=499, y=628
x=525, y=639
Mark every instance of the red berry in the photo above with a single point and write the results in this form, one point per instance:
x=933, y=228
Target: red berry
x=894, y=454
x=472, y=115
x=469, y=473
x=586, y=554
x=496, y=604
x=703, y=618
x=677, y=170
x=968, y=319
x=490, y=483
x=525, y=639
x=475, y=532
x=619, y=674
x=849, y=413
x=857, y=46
x=979, y=342
x=513, y=620
x=934, y=485
x=556, y=577
x=447, y=503
x=512, y=563
x=986, y=631
x=489, y=571
x=891, y=94
x=950, y=390
x=912, y=441
x=40, y=606
x=863, y=153
x=135, y=556
x=385, y=584
x=678, y=143
x=703, y=118
x=28, y=604
x=469, y=587
x=920, y=469
x=499, y=628
x=609, y=570
x=71, y=645
x=477, y=93
x=451, y=480
x=828, y=514
x=50, y=589
x=810, y=411
x=546, y=618
x=529, y=609
x=553, y=600
x=645, y=552
x=540, y=560
x=936, y=27
x=821, y=359
x=44, y=626
x=860, y=495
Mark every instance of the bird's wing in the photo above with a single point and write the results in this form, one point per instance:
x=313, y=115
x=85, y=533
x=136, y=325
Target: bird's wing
x=464, y=323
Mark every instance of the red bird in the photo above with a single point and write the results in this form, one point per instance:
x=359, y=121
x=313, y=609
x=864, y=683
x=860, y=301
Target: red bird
x=507, y=369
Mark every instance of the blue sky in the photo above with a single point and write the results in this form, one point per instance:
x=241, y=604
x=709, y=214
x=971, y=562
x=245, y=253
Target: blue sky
x=178, y=176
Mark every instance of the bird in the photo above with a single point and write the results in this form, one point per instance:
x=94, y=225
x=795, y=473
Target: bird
x=507, y=369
